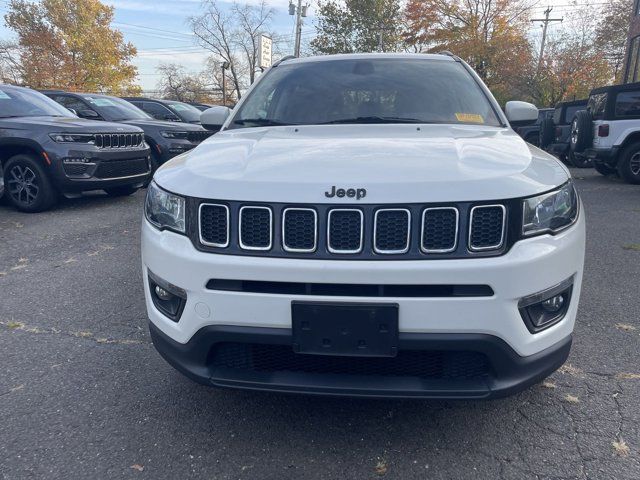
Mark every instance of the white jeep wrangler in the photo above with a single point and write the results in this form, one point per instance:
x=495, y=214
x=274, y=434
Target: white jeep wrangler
x=608, y=131
x=365, y=225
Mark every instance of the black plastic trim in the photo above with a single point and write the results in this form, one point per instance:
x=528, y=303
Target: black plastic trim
x=511, y=372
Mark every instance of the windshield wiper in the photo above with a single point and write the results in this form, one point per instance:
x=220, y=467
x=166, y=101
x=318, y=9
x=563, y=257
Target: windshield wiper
x=376, y=119
x=261, y=122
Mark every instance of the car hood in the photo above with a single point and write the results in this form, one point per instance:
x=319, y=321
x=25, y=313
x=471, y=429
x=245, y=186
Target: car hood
x=394, y=163
x=72, y=124
x=181, y=126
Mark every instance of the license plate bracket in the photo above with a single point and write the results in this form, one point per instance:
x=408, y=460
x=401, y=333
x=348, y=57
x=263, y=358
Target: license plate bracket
x=345, y=329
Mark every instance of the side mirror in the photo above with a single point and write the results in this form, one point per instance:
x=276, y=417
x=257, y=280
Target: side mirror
x=213, y=118
x=521, y=113
x=88, y=114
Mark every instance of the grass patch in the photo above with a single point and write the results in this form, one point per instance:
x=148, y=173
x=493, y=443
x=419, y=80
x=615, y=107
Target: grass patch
x=14, y=325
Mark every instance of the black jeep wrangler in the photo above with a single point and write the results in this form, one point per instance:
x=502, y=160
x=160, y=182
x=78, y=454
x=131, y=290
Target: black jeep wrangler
x=555, y=133
x=45, y=151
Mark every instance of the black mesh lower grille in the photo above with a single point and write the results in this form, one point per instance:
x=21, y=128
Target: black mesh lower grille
x=75, y=169
x=345, y=230
x=197, y=137
x=392, y=231
x=255, y=229
x=122, y=168
x=439, y=229
x=300, y=229
x=214, y=225
x=408, y=363
x=487, y=225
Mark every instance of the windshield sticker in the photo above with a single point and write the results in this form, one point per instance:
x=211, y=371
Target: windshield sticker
x=4, y=96
x=469, y=117
x=101, y=102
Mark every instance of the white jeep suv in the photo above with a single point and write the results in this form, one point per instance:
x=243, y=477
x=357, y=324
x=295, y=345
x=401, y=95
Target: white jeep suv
x=365, y=225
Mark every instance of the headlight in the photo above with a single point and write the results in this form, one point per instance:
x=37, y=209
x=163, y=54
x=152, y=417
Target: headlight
x=174, y=134
x=164, y=209
x=73, y=138
x=550, y=212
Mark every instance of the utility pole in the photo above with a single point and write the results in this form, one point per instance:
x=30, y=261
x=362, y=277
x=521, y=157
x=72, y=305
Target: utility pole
x=546, y=20
x=299, y=12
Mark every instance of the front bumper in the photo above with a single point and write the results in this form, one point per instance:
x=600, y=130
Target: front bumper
x=507, y=372
x=491, y=325
x=84, y=178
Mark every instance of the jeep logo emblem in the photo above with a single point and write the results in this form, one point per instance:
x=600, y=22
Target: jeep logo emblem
x=356, y=193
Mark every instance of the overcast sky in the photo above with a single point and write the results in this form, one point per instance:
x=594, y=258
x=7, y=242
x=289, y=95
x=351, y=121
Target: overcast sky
x=159, y=29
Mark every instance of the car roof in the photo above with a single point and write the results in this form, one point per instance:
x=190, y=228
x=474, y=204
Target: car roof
x=444, y=56
x=572, y=103
x=12, y=87
x=617, y=88
x=147, y=99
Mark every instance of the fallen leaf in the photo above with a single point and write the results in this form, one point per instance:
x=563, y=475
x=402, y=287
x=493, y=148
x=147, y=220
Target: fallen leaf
x=571, y=399
x=570, y=370
x=628, y=376
x=632, y=246
x=548, y=384
x=625, y=327
x=137, y=467
x=381, y=467
x=620, y=447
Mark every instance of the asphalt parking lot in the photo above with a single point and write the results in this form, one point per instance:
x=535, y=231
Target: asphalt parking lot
x=83, y=394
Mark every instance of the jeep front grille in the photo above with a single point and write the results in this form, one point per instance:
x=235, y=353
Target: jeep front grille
x=197, y=137
x=119, y=140
x=353, y=232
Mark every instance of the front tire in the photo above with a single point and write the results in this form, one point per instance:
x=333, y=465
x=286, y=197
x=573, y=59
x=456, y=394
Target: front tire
x=27, y=185
x=629, y=164
x=603, y=169
x=121, y=191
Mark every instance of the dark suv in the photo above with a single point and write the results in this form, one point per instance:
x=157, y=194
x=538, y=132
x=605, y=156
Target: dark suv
x=167, y=109
x=166, y=139
x=45, y=150
x=555, y=133
x=530, y=133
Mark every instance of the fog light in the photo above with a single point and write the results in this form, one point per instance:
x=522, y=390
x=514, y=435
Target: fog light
x=553, y=304
x=544, y=309
x=166, y=297
x=162, y=293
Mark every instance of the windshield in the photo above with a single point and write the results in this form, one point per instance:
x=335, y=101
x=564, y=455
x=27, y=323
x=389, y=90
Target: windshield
x=115, y=109
x=19, y=102
x=377, y=90
x=186, y=112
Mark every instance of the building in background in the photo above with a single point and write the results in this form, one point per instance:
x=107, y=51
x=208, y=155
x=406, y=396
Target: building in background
x=632, y=61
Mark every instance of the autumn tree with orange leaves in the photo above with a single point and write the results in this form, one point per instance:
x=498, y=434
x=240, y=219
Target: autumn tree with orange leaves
x=69, y=44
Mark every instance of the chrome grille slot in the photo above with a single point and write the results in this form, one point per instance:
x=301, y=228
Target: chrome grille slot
x=439, y=230
x=487, y=227
x=391, y=231
x=345, y=231
x=299, y=229
x=214, y=225
x=256, y=226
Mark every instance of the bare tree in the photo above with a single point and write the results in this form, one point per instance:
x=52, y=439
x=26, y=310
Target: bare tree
x=10, y=68
x=232, y=36
x=176, y=84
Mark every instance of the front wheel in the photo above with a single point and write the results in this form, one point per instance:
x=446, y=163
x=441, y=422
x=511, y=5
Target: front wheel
x=603, y=169
x=629, y=164
x=121, y=191
x=27, y=186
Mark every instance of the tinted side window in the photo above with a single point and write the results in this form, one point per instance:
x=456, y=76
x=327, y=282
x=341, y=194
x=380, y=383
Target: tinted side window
x=628, y=104
x=71, y=102
x=571, y=112
x=557, y=116
x=156, y=110
x=596, y=105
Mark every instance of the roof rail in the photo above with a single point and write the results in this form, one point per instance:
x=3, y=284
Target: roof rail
x=284, y=59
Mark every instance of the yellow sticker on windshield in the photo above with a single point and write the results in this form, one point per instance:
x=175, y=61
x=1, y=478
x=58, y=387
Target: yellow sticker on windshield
x=469, y=117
